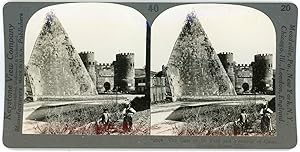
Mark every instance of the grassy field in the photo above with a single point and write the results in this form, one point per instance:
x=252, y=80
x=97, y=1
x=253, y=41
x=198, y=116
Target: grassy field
x=79, y=120
x=218, y=120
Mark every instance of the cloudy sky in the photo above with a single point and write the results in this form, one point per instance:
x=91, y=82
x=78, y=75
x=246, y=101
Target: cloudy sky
x=231, y=28
x=106, y=29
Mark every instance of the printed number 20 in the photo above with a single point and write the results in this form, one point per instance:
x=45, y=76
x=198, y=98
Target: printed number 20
x=153, y=8
x=285, y=7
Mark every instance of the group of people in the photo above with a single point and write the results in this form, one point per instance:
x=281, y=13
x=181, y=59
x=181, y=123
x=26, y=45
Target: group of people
x=104, y=121
x=265, y=121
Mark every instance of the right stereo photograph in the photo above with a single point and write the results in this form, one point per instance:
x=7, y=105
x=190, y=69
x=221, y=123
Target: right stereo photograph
x=213, y=72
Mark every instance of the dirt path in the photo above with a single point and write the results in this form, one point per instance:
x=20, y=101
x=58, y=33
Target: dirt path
x=160, y=112
x=28, y=126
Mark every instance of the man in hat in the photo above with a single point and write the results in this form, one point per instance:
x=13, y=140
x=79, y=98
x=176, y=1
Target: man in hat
x=104, y=120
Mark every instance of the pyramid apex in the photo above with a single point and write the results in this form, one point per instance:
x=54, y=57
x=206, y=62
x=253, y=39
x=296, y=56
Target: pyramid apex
x=191, y=17
x=50, y=17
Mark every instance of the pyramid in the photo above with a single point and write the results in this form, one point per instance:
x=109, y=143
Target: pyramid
x=54, y=67
x=194, y=69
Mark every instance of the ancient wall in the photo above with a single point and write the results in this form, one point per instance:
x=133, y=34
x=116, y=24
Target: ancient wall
x=263, y=73
x=55, y=66
x=104, y=77
x=124, y=72
x=226, y=59
x=194, y=69
x=243, y=77
x=88, y=59
x=158, y=89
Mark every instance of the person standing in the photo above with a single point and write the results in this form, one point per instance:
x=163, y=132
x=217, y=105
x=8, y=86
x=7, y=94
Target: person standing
x=127, y=112
x=243, y=119
x=266, y=123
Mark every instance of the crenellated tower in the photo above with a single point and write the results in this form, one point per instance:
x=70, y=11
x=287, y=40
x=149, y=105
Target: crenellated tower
x=226, y=59
x=105, y=77
x=88, y=59
x=243, y=78
x=263, y=73
x=124, y=72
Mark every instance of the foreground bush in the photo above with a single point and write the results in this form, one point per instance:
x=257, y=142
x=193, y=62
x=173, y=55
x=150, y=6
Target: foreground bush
x=219, y=120
x=80, y=120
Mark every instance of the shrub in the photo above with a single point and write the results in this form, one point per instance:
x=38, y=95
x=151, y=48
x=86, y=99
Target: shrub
x=219, y=120
x=80, y=120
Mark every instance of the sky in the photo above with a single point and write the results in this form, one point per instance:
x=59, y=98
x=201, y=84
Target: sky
x=238, y=29
x=106, y=29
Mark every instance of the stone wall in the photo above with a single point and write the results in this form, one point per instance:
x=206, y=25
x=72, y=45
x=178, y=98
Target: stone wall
x=88, y=59
x=263, y=73
x=105, y=77
x=243, y=74
x=124, y=72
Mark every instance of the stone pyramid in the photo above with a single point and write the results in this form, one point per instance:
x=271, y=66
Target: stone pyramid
x=194, y=69
x=55, y=67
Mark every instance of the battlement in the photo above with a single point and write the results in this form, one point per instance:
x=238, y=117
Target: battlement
x=86, y=52
x=263, y=59
x=105, y=65
x=263, y=55
x=88, y=58
x=225, y=53
x=125, y=54
x=91, y=63
x=243, y=65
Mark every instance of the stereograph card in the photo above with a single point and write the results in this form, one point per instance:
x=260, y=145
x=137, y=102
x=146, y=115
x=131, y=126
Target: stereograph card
x=150, y=75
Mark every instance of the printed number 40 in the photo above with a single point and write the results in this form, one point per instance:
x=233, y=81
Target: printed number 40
x=153, y=8
x=286, y=7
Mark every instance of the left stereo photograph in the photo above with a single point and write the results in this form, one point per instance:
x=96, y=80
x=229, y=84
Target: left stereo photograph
x=85, y=71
